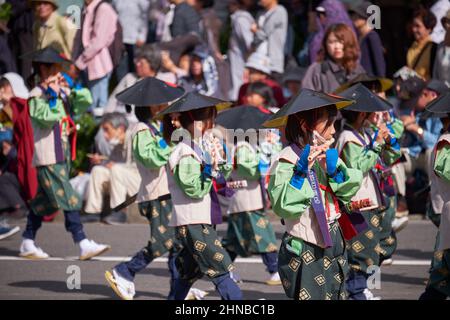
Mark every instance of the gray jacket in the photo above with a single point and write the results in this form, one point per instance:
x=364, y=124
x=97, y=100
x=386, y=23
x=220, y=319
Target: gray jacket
x=274, y=32
x=134, y=17
x=327, y=76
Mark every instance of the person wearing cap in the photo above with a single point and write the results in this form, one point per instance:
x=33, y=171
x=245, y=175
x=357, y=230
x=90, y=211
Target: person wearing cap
x=292, y=81
x=338, y=63
x=307, y=184
x=203, y=76
x=270, y=34
x=438, y=285
x=51, y=29
x=372, y=55
x=441, y=69
x=369, y=152
x=258, y=66
x=197, y=176
x=421, y=55
x=51, y=104
x=422, y=132
x=239, y=45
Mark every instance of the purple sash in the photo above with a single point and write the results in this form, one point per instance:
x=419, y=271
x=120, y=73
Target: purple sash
x=317, y=203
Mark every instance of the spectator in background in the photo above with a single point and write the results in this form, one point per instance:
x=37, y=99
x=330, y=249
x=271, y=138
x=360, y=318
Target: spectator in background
x=21, y=36
x=270, y=35
x=335, y=13
x=239, y=45
x=258, y=66
x=134, y=17
x=117, y=176
x=51, y=29
x=439, y=9
x=372, y=55
x=185, y=19
x=203, y=77
x=7, y=62
x=441, y=70
x=421, y=54
x=91, y=53
x=292, y=81
x=260, y=95
x=147, y=64
x=338, y=63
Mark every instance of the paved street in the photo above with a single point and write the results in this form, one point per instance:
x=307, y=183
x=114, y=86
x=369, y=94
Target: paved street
x=24, y=279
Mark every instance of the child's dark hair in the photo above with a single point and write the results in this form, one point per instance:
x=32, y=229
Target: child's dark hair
x=168, y=128
x=143, y=114
x=264, y=91
x=350, y=116
x=295, y=133
x=4, y=82
x=188, y=117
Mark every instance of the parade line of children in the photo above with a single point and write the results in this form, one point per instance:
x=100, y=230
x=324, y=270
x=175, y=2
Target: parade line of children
x=333, y=191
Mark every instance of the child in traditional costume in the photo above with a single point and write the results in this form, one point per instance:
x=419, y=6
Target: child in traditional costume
x=438, y=286
x=51, y=105
x=195, y=178
x=368, y=153
x=308, y=184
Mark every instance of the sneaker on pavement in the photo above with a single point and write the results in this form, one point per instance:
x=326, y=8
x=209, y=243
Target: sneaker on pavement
x=274, y=279
x=196, y=294
x=90, y=249
x=115, y=218
x=7, y=231
x=121, y=286
x=29, y=250
x=369, y=295
x=387, y=262
x=399, y=224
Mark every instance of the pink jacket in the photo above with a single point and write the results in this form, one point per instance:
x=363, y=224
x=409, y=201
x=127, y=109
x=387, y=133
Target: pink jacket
x=94, y=41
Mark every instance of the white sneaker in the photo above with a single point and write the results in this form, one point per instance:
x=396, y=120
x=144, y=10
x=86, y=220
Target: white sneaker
x=121, y=286
x=196, y=294
x=29, y=250
x=387, y=262
x=399, y=223
x=274, y=279
x=90, y=249
x=369, y=295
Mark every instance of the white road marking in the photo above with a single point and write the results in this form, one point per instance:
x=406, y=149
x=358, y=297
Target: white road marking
x=163, y=259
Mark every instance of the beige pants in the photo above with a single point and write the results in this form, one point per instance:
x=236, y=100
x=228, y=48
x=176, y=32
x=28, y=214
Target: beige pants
x=403, y=170
x=120, y=181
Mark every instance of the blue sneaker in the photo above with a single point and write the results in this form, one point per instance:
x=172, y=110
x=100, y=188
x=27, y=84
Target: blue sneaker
x=6, y=231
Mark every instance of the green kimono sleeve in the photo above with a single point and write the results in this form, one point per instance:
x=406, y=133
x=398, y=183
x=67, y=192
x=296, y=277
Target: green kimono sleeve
x=398, y=128
x=352, y=183
x=80, y=100
x=358, y=157
x=42, y=115
x=390, y=155
x=247, y=162
x=287, y=201
x=442, y=163
x=148, y=150
x=189, y=177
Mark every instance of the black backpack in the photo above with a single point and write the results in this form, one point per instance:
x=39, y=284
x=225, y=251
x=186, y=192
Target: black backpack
x=116, y=48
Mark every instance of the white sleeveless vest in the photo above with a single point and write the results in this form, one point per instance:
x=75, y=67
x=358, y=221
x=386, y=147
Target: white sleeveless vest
x=185, y=209
x=441, y=197
x=369, y=188
x=154, y=183
x=306, y=226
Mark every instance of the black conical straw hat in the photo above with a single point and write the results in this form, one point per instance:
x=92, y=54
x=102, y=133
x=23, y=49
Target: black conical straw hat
x=150, y=91
x=242, y=117
x=364, y=78
x=365, y=100
x=192, y=101
x=439, y=107
x=46, y=55
x=305, y=100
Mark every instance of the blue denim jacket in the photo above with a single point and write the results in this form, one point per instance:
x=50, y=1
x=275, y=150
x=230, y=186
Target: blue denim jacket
x=432, y=129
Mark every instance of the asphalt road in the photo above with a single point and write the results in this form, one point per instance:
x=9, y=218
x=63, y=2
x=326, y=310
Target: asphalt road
x=24, y=279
